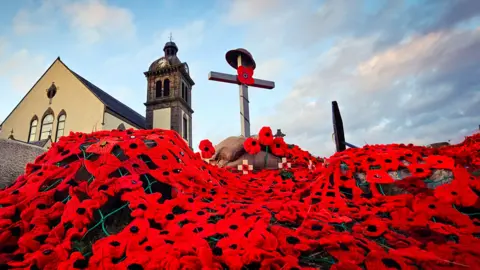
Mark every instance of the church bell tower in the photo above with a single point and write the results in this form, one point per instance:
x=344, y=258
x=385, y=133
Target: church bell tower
x=169, y=97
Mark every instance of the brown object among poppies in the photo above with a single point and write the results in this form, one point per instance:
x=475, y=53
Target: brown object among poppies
x=230, y=153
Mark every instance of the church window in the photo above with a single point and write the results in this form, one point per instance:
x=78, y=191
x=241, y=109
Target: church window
x=185, y=128
x=51, y=92
x=166, y=88
x=183, y=90
x=60, y=126
x=33, y=129
x=47, y=125
x=158, y=89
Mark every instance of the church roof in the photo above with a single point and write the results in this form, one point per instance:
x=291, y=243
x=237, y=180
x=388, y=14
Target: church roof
x=110, y=102
x=41, y=143
x=163, y=62
x=113, y=104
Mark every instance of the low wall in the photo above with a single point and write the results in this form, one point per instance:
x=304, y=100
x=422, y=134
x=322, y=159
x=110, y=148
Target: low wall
x=14, y=156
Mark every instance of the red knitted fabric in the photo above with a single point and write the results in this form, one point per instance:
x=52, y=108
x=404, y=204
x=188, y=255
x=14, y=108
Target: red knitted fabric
x=143, y=200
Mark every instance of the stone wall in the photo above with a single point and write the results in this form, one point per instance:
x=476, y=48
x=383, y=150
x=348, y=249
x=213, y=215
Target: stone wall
x=14, y=156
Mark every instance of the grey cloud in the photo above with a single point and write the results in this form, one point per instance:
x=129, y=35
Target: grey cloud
x=455, y=12
x=396, y=99
x=307, y=22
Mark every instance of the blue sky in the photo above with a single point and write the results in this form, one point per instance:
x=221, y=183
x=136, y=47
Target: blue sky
x=402, y=71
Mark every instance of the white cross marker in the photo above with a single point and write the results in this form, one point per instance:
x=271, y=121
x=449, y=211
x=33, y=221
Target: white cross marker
x=284, y=164
x=245, y=167
x=242, y=60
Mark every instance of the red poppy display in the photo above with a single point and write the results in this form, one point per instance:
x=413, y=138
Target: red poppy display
x=207, y=149
x=144, y=200
x=252, y=146
x=245, y=75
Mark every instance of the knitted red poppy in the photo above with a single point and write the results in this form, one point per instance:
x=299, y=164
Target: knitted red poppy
x=207, y=149
x=252, y=146
x=141, y=199
x=278, y=147
x=265, y=136
x=245, y=75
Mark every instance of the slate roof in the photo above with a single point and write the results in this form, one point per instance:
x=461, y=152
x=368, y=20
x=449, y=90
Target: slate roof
x=113, y=104
x=40, y=143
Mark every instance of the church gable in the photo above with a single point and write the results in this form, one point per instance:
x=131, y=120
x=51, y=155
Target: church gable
x=58, y=103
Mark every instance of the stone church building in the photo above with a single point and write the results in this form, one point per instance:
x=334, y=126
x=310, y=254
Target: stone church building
x=62, y=101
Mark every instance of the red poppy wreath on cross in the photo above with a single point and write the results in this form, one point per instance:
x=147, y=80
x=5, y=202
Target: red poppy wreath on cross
x=245, y=75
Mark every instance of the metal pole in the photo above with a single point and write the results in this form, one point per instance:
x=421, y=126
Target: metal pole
x=244, y=108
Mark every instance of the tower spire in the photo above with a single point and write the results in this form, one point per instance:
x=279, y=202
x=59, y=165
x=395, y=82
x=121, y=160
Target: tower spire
x=171, y=38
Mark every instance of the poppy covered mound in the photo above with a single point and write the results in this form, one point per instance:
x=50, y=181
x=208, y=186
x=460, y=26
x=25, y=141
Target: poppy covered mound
x=143, y=200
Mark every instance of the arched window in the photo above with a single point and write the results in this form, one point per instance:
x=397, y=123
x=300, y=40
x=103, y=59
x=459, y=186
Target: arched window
x=60, y=125
x=32, y=133
x=47, y=125
x=185, y=128
x=166, y=88
x=158, y=89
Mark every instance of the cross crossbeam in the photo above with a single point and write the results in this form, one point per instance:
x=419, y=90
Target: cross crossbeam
x=234, y=58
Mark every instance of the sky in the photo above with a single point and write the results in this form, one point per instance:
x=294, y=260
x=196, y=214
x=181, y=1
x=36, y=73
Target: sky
x=405, y=71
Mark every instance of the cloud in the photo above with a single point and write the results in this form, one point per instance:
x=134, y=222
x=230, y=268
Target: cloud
x=95, y=20
x=190, y=35
x=92, y=21
x=242, y=11
x=3, y=45
x=22, y=23
x=401, y=72
x=271, y=68
x=36, y=19
x=21, y=70
x=282, y=24
x=423, y=91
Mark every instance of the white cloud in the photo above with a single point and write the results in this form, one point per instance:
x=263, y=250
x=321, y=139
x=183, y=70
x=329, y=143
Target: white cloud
x=190, y=35
x=247, y=10
x=95, y=20
x=22, y=23
x=22, y=69
x=35, y=19
x=3, y=45
x=269, y=69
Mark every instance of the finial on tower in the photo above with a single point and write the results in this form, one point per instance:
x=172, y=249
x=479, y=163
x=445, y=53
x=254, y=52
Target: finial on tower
x=171, y=38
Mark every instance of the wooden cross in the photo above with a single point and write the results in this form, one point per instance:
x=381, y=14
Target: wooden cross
x=242, y=59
